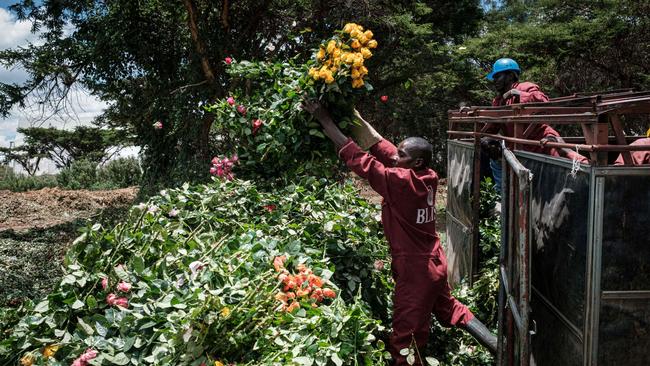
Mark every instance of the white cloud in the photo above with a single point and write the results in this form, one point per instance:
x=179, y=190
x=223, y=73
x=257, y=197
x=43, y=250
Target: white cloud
x=81, y=108
x=14, y=33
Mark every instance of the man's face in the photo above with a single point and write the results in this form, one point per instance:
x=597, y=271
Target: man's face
x=502, y=81
x=405, y=158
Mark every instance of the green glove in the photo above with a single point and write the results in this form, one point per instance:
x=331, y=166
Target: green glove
x=363, y=133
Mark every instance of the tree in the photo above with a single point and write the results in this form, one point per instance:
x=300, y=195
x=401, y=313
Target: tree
x=161, y=61
x=27, y=156
x=65, y=146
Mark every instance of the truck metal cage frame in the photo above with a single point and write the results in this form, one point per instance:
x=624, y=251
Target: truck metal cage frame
x=575, y=254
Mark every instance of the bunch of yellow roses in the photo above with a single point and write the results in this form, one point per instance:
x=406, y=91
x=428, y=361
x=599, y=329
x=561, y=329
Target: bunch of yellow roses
x=344, y=56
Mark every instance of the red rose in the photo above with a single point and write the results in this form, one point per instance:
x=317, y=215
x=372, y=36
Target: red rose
x=384, y=98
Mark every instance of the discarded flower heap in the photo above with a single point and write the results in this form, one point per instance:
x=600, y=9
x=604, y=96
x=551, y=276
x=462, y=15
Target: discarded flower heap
x=342, y=57
x=304, y=286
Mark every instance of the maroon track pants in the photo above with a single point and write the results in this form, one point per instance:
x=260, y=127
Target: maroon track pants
x=421, y=288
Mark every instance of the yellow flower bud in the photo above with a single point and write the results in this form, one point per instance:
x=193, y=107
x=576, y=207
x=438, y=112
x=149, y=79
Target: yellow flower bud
x=331, y=45
x=218, y=363
x=225, y=312
x=355, y=44
x=321, y=54
x=366, y=53
x=27, y=360
x=358, y=60
x=372, y=43
x=329, y=79
x=363, y=71
x=336, y=53
x=355, y=73
x=50, y=350
x=357, y=83
x=368, y=34
x=324, y=74
x=349, y=27
x=355, y=33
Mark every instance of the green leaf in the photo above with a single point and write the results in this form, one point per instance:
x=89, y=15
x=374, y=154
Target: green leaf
x=303, y=360
x=85, y=327
x=91, y=302
x=432, y=361
x=78, y=304
x=42, y=306
x=337, y=361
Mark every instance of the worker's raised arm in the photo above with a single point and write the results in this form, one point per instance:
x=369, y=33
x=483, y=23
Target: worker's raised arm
x=368, y=138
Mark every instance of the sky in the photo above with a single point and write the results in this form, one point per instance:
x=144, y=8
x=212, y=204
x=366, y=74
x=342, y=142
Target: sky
x=83, y=109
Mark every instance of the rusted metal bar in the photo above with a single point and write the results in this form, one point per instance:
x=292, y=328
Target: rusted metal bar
x=617, y=127
x=476, y=205
x=581, y=147
x=524, y=265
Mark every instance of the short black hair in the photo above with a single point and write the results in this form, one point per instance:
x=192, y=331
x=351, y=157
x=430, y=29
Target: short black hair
x=420, y=148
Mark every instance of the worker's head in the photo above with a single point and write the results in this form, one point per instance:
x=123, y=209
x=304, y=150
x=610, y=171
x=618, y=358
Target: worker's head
x=491, y=147
x=505, y=72
x=414, y=153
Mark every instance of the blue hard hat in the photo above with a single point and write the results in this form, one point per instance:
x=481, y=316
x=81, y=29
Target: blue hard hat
x=503, y=64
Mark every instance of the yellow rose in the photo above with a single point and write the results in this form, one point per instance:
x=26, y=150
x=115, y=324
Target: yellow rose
x=372, y=44
x=225, y=312
x=324, y=74
x=347, y=57
x=362, y=39
x=349, y=27
x=321, y=54
x=50, y=350
x=218, y=363
x=355, y=33
x=357, y=83
x=366, y=53
x=363, y=71
x=27, y=360
x=331, y=45
x=355, y=73
x=355, y=44
x=368, y=34
x=358, y=60
x=336, y=53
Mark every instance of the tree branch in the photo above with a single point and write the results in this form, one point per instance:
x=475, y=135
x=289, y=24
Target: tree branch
x=198, y=43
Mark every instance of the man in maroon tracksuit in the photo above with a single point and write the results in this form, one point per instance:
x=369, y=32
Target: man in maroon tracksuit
x=401, y=175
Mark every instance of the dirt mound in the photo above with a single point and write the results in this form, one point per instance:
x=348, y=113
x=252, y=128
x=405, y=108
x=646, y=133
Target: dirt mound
x=47, y=207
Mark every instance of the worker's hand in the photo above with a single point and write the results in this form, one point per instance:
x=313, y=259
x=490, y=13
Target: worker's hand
x=316, y=109
x=511, y=93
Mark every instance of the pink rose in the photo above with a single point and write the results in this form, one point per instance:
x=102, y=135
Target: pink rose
x=241, y=109
x=234, y=158
x=228, y=60
x=257, y=124
x=85, y=357
x=215, y=161
x=124, y=286
x=213, y=170
x=231, y=100
x=104, y=283
x=158, y=125
x=122, y=302
x=379, y=264
x=110, y=299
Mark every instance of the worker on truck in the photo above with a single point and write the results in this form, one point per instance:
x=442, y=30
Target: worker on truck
x=401, y=175
x=505, y=76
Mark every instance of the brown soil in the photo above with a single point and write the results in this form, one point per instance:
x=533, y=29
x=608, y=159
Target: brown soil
x=47, y=207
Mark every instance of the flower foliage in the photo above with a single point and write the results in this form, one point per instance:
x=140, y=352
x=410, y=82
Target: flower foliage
x=202, y=286
x=262, y=120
